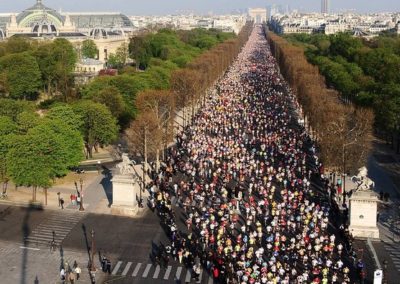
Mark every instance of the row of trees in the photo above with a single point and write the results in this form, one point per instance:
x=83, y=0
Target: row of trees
x=179, y=47
x=363, y=71
x=153, y=128
x=343, y=131
x=35, y=149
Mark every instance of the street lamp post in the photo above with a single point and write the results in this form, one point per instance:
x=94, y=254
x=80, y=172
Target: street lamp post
x=344, y=175
x=81, y=203
x=93, y=248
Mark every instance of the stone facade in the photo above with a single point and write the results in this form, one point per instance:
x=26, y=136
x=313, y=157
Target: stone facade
x=363, y=215
x=124, y=191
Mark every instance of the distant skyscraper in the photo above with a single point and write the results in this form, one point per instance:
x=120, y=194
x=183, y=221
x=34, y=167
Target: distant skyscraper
x=325, y=6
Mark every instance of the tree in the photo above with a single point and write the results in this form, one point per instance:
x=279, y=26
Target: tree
x=184, y=85
x=45, y=57
x=118, y=60
x=17, y=44
x=44, y=153
x=162, y=105
x=348, y=138
x=22, y=75
x=27, y=120
x=5, y=144
x=89, y=49
x=67, y=114
x=143, y=137
x=65, y=59
x=99, y=126
x=13, y=108
x=4, y=88
x=7, y=126
x=112, y=98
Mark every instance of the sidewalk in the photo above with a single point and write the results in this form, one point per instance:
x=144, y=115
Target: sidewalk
x=22, y=196
x=21, y=265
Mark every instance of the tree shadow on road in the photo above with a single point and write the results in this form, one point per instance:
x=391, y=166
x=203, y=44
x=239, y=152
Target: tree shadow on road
x=25, y=235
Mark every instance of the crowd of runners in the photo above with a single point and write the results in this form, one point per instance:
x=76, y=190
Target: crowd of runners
x=241, y=174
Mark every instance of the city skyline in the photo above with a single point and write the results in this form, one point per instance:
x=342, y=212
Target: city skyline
x=158, y=7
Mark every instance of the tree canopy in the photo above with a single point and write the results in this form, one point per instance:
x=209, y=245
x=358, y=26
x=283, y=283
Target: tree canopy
x=99, y=127
x=89, y=49
x=22, y=73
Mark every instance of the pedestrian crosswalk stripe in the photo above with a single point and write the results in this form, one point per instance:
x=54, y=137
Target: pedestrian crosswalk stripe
x=167, y=273
x=178, y=272
x=116, y=268
x=187, y=278
x=146, y=271
x=127, y=268
x=55, y=227
x=135, y=272
x=156, y=272
x=60, y=223
x=391, y=249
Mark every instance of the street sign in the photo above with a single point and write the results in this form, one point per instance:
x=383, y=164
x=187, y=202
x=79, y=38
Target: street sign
x=378, y=275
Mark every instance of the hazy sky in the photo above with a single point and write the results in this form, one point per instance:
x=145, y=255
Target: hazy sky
x=148, y=7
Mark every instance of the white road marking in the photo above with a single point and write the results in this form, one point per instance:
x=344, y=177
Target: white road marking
x=146, y=271
x=155, y=276
x=135, y=272
x=127, y=268
x=167, y=272
x=188, y=276
x=116, y=268
x=30, y=248
x=178, y=272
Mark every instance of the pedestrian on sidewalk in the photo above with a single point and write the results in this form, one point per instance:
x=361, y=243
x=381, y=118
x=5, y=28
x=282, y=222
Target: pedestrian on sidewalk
x=104, y=263
x=109, y=266
x=77, y=271
x=71, y=277
x=62, y=203
x=59, y=199
x=62, y=275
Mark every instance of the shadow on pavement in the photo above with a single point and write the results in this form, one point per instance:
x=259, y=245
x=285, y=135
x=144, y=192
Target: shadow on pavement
x=25, y=235
x=106, y=183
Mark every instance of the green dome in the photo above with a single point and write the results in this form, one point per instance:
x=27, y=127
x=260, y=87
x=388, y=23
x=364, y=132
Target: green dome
x=39, y=13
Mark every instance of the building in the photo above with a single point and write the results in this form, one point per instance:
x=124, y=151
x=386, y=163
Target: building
x=108, y=30
x=361, y=25
x=258, y=15
x=325, y=6
x=226, y=23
